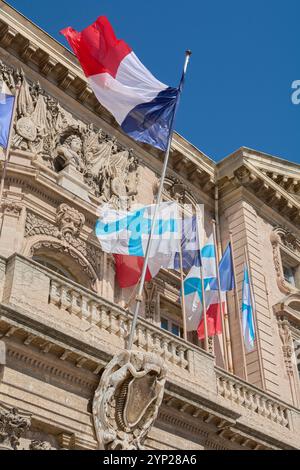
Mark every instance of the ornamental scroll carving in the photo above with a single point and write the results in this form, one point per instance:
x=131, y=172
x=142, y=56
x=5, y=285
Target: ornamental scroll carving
x=64, y=236
x=44, y=128
x=127, y=400
x=13, y=425
x=281, y=237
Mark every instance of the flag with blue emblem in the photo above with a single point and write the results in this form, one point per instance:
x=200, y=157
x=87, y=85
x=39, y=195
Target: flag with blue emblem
x=6, y=112
x=193, y=290
x=126, y=234
x=193, y=284
x=247, y=314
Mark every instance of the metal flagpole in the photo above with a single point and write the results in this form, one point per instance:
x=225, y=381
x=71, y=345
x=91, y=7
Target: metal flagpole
x=139, y=297
x=182, y=294
x=7, y=150
x=224, y=308
x=237, y=307
x=220, y=296
x=206, y=346
x=258, y=342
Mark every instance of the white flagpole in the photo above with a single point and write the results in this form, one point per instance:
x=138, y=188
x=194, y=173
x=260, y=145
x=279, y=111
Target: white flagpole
x=182, y=294
x=238, y=308
x=220, y=295
x=7, y=150
x=206, y=345
x=139, y=296
x=254, y=316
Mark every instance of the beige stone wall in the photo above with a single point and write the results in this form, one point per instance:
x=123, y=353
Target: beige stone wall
x=59, y=333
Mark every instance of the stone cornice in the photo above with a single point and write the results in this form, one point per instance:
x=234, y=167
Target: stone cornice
x=241, y=172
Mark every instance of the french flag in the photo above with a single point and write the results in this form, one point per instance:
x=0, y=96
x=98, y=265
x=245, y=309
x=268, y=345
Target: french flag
x=142, y=105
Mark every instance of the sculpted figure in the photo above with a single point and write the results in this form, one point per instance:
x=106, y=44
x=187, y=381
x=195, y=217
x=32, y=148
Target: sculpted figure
x=132, y=179
x=69, y=220
x=71, y=151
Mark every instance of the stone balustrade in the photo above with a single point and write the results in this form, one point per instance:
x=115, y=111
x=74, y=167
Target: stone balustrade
x=116, y=321
x=188, y=364
x=253, y=399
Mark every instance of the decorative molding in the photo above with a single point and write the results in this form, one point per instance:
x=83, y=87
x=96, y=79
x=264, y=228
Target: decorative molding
x=57, y=138
x=127, y=400
x=12, y=208
x=287, y=345
x=13, y=425
x=268, y=191
x=281, y=237
x=63, y=237
x=40, y=445
x=151, y=301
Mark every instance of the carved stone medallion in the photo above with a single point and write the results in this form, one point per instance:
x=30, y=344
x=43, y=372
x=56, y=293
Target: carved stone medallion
x=127, y=400
x=26, y=129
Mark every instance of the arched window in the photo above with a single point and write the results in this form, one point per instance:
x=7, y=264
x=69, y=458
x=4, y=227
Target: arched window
x=54, y=266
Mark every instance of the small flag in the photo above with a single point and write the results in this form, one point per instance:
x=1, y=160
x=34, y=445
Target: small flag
x=126, y=234
x=193, y=285
x=6, y=112
x=193, y=298
x=226, y=272
x=142, y=105
x=193, y=290
x=247, y=314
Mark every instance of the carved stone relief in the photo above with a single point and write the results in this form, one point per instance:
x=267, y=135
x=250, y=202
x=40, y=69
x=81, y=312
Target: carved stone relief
x=64, y=237
x=151, y=301
x=13, y=426
x=283, y=238
x=287, y=344
x=45, y=128
x=127, y=400
x=40, y=445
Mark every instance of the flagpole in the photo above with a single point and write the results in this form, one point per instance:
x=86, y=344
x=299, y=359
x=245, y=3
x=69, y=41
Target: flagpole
x=225, y=309
x=139, y=296
x=220, y=296
x=206, y=345
x=237, y=307
x=258, y=342
x=7, y=150
x=182, y=294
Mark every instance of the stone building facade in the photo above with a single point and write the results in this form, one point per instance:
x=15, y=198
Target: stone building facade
x=62, y=315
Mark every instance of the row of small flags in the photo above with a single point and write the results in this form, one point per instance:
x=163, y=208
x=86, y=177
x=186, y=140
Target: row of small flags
x=125, y=234
x=145, y=109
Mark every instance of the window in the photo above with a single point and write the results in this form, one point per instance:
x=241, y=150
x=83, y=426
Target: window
x=291, y=269
x=171, y=326
x=55, y=267
x=297, y=354
x=289, y=274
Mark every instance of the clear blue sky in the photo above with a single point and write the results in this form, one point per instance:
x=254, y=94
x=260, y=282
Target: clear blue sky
x=246, y=54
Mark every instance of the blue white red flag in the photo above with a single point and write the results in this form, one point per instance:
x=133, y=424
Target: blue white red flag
x=142, y=105
x=247, y=314
x=6, y=112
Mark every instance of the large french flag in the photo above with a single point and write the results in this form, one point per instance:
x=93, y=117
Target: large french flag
x=142, y=105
